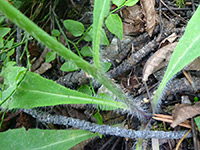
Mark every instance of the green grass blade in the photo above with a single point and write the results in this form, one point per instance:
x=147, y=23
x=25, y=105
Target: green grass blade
x=185, y=52
x=37, y=139
x=101, y=9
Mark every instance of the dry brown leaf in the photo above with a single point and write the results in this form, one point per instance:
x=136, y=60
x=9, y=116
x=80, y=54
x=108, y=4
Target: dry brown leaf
x=158, y=60
x=150, y=15
x=167, y=40
x=183, y=112
x=133, y=23
x=195, y=65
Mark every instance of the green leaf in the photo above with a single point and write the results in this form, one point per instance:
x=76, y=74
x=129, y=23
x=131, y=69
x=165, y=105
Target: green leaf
x=9, y=44
x=10, y=53
x=1, y=42
x=98, y=118
x=11, y=73
x=31, y=28
x=36, y=91
x=118, y=2
x=17, y=3
x=12, y=77
x=69, y=66
x=50, y=56
x=103, y=39
x=37, y=139
x=4, y=31
x=107, y=97
x=106, y=66
x=55, y=32
x=196, y=99
x=86, y=51
x=197, y=120
x=185, y=52
x=76, y=28
x=2, y=18
x=130, y=2
x=85, y=89
x=114, y=25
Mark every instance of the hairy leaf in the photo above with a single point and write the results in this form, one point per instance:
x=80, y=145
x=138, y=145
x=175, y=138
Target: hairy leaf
x=185, y=52
x=36, y=91
x=37, y=139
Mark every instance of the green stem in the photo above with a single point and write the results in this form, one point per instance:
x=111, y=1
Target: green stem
x=30, y=27
x=100, y=11
x=85, y=33
x=61, y=30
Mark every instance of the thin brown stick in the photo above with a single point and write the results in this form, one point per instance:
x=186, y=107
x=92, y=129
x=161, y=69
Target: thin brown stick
x=175, y=14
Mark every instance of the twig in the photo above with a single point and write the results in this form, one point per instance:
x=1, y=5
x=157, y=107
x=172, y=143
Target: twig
x=175, y=14
x=194, y=133
x=193, y=7
x=133, y=59
x=103, y=129
x=173, y=8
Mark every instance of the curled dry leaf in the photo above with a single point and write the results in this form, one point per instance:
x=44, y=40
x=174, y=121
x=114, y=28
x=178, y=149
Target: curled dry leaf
x=167, y=40
x=183, y=112
x=158, y=60
x=133, y=23
x=150, y=15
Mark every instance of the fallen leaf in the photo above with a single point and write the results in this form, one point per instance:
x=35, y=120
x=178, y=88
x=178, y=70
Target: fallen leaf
x=167, y=40
x=183, y=112
x=158, y=60
x=150, y=15
x=133, y=23
x=195, y=65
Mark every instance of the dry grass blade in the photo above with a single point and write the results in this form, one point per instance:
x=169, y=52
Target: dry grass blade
x=183, y=112
x=169, y=119
x=181, y=140
x=150, y=15
x=158, y=60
